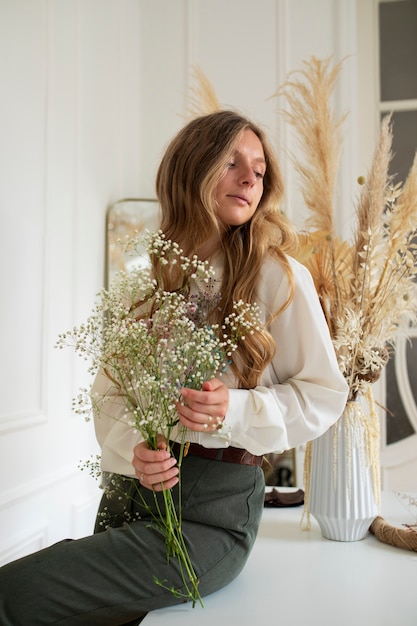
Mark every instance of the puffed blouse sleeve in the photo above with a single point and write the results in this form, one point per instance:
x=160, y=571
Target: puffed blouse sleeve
x=302, y=393
x=114, y=431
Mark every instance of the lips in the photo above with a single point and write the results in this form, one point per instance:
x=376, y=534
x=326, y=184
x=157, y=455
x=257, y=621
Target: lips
x=240, y=197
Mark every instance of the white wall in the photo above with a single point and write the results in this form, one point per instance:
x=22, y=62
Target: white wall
x=91, y=92
x=246, y=50
x=69, y=146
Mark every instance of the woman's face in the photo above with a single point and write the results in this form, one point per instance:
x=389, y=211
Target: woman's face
x=240, y=189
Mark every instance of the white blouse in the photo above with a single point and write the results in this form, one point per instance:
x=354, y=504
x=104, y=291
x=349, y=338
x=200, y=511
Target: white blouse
x=300, y=394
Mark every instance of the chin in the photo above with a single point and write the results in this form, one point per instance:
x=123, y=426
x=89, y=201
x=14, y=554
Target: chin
x=236, y=221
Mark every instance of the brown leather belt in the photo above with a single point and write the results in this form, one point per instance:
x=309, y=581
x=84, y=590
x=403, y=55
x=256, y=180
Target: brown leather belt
x=229, y=455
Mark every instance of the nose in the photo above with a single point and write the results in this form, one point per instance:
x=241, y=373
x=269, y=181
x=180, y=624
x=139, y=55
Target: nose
x=247, y=176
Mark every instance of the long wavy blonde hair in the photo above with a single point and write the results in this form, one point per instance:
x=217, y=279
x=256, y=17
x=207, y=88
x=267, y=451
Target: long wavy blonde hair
x=186, y=181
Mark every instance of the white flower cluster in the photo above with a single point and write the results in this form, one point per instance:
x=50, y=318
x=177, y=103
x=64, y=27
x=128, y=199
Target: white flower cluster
x=150, y=343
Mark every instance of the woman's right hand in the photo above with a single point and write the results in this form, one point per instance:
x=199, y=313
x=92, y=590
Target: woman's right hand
x=155, y=469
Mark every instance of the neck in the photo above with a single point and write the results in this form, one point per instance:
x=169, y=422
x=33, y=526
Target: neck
x=208, y=248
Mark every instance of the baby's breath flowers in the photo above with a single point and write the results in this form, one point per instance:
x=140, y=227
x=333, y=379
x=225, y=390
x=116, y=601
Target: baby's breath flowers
x=150, y=342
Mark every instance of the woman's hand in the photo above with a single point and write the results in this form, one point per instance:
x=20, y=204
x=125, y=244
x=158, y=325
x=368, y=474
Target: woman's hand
x=155, y=469
x=204, y=410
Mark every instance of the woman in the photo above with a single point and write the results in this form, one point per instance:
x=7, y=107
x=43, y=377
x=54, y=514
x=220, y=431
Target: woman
x=219, y=188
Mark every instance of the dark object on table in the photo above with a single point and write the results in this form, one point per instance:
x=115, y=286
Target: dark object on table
x=275, y=498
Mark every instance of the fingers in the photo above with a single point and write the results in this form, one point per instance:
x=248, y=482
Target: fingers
x=164, y=484
x=204, y=410
x=159, y=482
x=155, y=469
x=212, y=399
x=213, y=422
x=199, y=422
x=213, y=384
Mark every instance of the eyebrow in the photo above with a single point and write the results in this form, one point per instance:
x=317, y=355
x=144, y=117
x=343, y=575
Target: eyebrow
x=256, y=159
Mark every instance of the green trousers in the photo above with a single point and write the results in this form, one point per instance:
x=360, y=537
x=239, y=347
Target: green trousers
x=107, y=579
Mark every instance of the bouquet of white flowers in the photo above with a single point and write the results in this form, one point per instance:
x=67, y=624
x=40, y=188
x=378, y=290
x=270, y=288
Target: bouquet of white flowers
x=150, y=343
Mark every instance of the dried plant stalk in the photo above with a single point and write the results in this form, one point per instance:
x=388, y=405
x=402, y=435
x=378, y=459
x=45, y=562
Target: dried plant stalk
x=308, y=93
x=202, y=99
x=372, y=201
x=404, y=212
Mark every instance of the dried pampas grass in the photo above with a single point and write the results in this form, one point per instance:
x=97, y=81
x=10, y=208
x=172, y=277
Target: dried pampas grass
x=366, y=286
x=202, y=99
x=318, y=132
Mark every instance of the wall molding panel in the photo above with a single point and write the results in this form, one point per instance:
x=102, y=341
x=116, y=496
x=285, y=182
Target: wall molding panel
x=16, y=548
x=69, y=124
x=37, y=486
x=11, y=423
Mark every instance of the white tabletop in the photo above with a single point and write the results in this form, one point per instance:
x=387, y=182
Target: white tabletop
x=295, y=577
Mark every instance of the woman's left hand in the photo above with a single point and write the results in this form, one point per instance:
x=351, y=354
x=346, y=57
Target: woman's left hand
x=204, y=410
x=155, y=469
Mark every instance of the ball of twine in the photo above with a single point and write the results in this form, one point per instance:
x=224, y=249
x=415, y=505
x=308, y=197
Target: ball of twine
x=399, y=537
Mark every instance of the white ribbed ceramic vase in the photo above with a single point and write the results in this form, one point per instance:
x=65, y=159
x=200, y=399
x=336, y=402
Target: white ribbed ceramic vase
x=342, y=485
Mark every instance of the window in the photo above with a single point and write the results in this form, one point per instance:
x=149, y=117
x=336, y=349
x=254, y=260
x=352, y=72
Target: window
x=398, y=94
